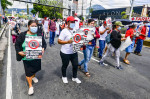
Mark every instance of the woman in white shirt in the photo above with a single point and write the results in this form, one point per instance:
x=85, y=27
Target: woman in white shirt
x=67, y=54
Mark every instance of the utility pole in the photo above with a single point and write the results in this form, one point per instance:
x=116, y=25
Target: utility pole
x=82, y=8
x=131, y=10
x=90, y=9
x=0, y=13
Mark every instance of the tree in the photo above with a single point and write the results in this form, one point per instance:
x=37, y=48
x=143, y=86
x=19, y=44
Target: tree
x=5, y=4
x=46, y=10
x=27, y=9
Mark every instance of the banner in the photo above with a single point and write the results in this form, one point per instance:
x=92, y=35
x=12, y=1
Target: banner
x=33, y=47
x=109, y=22
x=126, y=43
x=82, y=37
x=140, y=19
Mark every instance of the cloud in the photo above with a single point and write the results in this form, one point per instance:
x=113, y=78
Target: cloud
x=20, y=5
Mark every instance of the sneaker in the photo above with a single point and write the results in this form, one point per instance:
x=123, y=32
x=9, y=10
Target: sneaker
x=120, y=67
x=139, y=54
x=31, y=91
x=35, y=80
x=76, y=80
x=102, y=64
x=64, y=79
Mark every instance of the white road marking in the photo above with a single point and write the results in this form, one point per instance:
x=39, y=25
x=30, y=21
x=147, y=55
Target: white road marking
x=9, y=72
x=91, y=58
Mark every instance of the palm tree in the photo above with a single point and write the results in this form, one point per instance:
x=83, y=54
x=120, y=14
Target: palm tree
x=5, y=4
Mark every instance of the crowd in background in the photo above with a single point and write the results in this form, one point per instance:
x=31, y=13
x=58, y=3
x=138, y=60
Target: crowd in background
x=109, y=40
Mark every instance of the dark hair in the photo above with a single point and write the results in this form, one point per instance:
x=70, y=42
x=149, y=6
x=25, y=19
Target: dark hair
x=53, y=18
x=32, y=21
x=90, y=20
x=113, y=27
x=133, y=26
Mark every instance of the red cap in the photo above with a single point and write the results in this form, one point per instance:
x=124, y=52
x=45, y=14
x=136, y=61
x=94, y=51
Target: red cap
x=45, y=18
x=75, y=14
x=105, y=22
x=70, y=18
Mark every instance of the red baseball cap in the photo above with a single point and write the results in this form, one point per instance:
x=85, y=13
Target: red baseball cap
x=71, y=18
x=75, y=14
x=105, y=22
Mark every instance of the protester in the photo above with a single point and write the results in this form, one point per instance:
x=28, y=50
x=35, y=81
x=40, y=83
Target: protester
x=88, y=50
x=52, y=31
x=64, y=25
x=45, y=26
x=67, y=54
x=114, y=45
x=130, y=32
x=58, y=27
x=141, y=38
x=80, y=24
x=31, y=66
x=103, y=33
x=40, y=27
x=77, y=22
x=19, y=22
x=15, y=30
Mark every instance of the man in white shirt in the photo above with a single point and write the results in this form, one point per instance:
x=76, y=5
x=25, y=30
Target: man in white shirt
x=76, y=22
x=67, y=54
x=103, y=33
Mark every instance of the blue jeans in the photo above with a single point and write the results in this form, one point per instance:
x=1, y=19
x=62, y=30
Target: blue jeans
x=139, y=45
x=52, y=36
x=101, y=47
x=88, y=52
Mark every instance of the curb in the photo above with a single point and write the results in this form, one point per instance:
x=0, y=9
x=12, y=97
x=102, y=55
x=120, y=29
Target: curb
x=3, y=47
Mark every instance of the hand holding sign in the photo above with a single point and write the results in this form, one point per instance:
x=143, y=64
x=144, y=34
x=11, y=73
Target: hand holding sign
x=22, y=53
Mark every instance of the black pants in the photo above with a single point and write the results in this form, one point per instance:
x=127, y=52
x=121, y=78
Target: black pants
x=65, y=62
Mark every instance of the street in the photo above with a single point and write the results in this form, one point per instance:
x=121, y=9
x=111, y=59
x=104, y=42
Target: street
x=133, y=82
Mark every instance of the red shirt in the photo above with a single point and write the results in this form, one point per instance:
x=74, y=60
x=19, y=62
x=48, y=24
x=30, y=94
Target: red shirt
x=143, y=31
x=80, y=24
x=129, y=33
x=52, y=26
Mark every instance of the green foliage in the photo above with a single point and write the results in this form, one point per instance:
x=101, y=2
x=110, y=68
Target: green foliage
x=46, y=10
x=82, y=18
x=124, y=16
x=123, y=13
x=5, y=4
x=91, y=10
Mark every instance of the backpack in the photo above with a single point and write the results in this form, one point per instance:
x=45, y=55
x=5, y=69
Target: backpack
x=107, y=38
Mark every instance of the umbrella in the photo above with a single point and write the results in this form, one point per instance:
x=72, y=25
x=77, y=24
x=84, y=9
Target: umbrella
x=124, y=21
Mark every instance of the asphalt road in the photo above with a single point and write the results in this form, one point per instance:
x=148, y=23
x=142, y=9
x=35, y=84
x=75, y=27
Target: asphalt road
x=105, y=82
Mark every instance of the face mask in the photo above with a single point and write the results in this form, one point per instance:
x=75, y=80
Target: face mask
x=40, y=22
x=33, y=29
x=119, y=28
x=72, y=25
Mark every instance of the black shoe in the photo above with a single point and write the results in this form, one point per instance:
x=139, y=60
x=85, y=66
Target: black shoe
x=120, y=67
x=100, y=57
x=135, y=52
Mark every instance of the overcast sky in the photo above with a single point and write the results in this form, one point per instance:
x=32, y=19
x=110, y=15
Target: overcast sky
x=20, y=5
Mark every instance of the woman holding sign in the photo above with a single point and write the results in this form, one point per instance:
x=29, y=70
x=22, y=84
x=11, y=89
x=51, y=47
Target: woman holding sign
x=67, y=54
x=31, y=66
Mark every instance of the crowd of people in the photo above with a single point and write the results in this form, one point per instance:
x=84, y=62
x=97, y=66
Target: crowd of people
x=63, y=29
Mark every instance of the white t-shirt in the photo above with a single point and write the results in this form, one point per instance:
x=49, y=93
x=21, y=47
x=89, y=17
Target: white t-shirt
x=66, y=35
x=77, y=23
x=102, y=37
